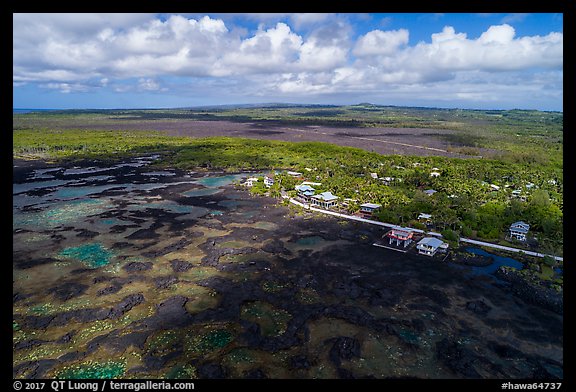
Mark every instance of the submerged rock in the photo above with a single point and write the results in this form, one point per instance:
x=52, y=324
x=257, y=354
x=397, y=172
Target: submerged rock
x=343, y=348
x=478, y=307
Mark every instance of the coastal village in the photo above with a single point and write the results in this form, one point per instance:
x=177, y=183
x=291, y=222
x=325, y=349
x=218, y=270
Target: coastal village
x=427, y=242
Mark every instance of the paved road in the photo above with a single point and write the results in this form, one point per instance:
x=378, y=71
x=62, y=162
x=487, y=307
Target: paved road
x=474, y=242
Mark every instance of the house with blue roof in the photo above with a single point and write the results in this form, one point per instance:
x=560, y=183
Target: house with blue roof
x=519, y=230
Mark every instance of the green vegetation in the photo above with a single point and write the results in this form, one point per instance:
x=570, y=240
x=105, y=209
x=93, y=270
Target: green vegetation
x=94, y=371
x=475, y=197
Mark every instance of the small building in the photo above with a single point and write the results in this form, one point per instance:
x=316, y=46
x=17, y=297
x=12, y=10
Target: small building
x=494, y=187
x=429, y=246
x=516, y=193
x=435, y=174
x=305, y=191
x=367, y=209
x=430, y=192
x=519, y=230
x=250, y=181
x=268, y=181
x=387, y=180
x=424, y=217
x=529, y=185
x=402, y=236
x=325, y=200
x=294, y=174
x=374, y=175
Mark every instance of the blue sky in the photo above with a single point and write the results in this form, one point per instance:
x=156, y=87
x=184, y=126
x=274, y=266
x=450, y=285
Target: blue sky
x=484, y=61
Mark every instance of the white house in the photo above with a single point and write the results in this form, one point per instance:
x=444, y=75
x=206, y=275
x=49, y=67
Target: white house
x=367, y=209
x=429, y=246
x=518, y=230
x=294, y=174
x=425, y=217
x=435, y=174
x=324, y=200
x=494, y=187
x=268, y=181
x=250, y=181
x=374, y=175
x=430, y=192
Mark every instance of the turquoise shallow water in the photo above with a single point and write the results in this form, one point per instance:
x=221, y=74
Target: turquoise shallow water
x=201, y=192
x=219, y=181
x=93, y=255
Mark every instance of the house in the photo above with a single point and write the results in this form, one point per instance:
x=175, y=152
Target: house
x=305, y=191
x=435, y=174
x=386, y=180
x=268, y=181
x=367, y=209
x=374, y=175
x=529, y=185
x=402, y=236
x=250, y=181
x=425, y=217
x=494, y=187
x=429, y=246
x=294, y=174
x=325, y=200
x=518, y=230
x=430, y=192
x=516, y=192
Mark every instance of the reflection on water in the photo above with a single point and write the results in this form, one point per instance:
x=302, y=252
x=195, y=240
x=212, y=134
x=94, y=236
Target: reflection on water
x=498, y=261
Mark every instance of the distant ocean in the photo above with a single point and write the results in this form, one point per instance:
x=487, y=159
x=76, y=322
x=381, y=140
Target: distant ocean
x=20, y=111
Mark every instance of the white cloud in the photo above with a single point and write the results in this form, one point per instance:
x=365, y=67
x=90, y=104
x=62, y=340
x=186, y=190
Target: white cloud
x=378, y=42
x=148, y=85
x=88, y=51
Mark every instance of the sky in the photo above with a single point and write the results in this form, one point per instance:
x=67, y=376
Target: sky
x=137, y=60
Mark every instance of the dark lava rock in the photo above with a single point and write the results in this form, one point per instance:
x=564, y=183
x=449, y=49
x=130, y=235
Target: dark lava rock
x=505, y=351
x=18, y=296
x=72, y=356
x=255, y=374
x=109, y=290
x=170, y=248
x=478, y=307
x=299, y=362
x=164, y=282
x=531, y=292
x=276, y=247
x=212, y=370
x=347, y=289
x=33, y=263
x=87, y=234
x=458, y=359
x=345, y=374
x=180, y=265
x=121, y=245
x=343, y=348
x=126, y=304
x=143, y=234
x=437, y=296
x=138, y=266
x=67, y=337
x=65, y=291
x=28, y=344
x=418, y=325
